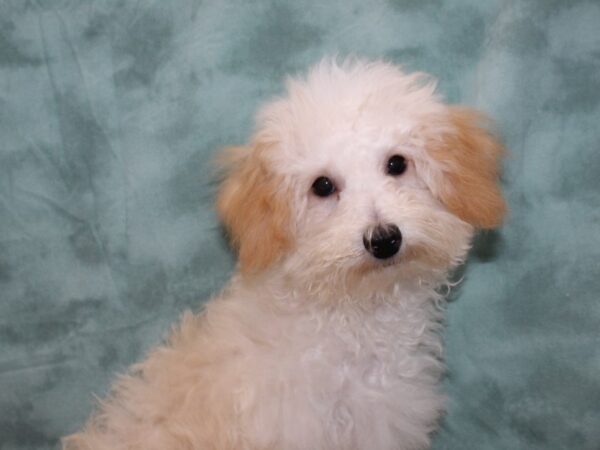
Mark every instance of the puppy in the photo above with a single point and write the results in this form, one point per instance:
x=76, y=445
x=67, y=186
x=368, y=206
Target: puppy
x=358, y=193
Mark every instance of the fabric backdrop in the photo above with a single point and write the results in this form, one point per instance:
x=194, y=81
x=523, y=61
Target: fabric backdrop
x=111, y=111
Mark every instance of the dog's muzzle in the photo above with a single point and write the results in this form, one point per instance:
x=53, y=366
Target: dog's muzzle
x=383, y=241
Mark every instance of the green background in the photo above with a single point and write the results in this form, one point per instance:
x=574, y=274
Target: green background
x=110, y=112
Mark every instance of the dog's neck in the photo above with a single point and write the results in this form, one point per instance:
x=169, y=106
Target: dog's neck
x=351, y=294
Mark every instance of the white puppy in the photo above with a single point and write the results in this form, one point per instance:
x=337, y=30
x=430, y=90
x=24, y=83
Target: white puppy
x=358, y=193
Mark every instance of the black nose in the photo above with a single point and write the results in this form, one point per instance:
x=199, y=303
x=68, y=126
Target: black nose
x=383, y=241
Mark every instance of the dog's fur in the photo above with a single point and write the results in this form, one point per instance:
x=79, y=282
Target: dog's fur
x=315, y=344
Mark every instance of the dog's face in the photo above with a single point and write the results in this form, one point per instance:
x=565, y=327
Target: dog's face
x=361, y=169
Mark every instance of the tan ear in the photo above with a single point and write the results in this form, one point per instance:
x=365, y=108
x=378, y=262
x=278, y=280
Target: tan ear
x=470, y=156
x=254, y=206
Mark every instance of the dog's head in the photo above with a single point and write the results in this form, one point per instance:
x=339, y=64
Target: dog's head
x=361, y=168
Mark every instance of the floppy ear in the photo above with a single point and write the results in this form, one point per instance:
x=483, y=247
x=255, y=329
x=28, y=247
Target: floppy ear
x=254, y=207
x=469, y=156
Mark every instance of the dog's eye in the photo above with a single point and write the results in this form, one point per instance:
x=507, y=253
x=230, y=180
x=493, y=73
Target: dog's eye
x=323, y=187
x=396, y=165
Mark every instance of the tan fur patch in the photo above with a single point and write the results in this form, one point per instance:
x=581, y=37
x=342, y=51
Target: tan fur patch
x=254, y=206
x=470, y=155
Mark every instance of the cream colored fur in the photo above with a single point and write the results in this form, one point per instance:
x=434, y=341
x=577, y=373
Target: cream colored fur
x=315, y=344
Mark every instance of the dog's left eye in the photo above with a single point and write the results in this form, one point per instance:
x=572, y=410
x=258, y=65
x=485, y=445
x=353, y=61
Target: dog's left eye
x=396, y=165
x=323, y=187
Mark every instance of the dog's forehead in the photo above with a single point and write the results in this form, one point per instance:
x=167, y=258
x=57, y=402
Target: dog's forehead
x=334, y=150
x=343, y=145
x=351, y=145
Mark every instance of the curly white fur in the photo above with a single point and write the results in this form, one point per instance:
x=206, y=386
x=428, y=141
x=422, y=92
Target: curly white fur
x=315, y=344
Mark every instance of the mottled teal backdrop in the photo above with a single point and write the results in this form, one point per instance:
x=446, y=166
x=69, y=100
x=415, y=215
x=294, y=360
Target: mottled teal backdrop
x=110, y=112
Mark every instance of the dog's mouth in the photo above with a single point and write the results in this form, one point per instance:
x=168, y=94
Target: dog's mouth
x=389, y=262
x=371, y=264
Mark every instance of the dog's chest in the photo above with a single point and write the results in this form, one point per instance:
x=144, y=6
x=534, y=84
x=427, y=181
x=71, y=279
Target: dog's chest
x=372, y=353
x=341, y=376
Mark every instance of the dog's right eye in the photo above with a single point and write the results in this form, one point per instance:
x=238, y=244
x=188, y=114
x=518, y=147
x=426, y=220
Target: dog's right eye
x=323, y=187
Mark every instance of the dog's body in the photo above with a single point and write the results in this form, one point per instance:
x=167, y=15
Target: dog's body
x=358, y=194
